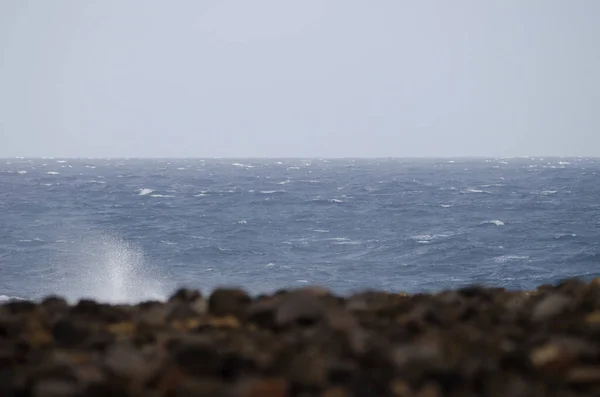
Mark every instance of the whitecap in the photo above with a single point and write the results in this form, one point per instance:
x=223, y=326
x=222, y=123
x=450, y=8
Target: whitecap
x=472, y=190
x=423, y=242
x=284, y=182
x=338, y=239
x=510, y=258
x=200, y=195
x=168, y=242
x=269, y=265
x=5, y=298
x=52, y=173
x=445, y=205
x=21, y=172
x=242, y=165
x=90, y=166
x=271, y=191
x=61, y=161
x=564, y=163
x=321, y=231
x=423, y=237
x=242, y=222
x=160, y=195
x=493, y=222
x=336, y=201
x=143, y=192
x=548, y=192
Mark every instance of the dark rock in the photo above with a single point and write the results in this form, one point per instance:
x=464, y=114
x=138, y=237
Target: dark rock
x=299, y=309
x=68, y=334
x=550, y=306
x=225, y=302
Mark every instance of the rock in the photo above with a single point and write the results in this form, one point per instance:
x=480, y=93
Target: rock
x=68, y=334
x=191, y=299
x=228, y=302
x=54, y=388
x=299, y=309
x=584, y=374
x=198, y=360
x=560, y=353
x=550, y=306
x=308, y=370
x=263, y=387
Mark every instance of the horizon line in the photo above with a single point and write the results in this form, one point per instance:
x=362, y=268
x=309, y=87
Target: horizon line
x=290, y=157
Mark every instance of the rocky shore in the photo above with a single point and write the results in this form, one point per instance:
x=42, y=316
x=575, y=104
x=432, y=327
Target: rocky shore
x=473, y=341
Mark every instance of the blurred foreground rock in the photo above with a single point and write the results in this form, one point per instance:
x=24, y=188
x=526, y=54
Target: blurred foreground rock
x=473, y=341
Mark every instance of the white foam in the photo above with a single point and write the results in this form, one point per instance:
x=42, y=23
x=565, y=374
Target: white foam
x=336, y=201
x=321, y=231
x=143, y=192
x=548, y=192
x=493, y=222
x=242, y=222
x=510, y=258
x=271, y=191
x=242, y=165
x=445, y=205
x=160, y=195
x=21, y=172
x=5, y=298
x=472, y=190
x=52, y=173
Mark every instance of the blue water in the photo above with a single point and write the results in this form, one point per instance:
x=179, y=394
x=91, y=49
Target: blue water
x=127, y=230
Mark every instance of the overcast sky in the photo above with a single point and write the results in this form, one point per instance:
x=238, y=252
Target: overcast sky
x=299, y=78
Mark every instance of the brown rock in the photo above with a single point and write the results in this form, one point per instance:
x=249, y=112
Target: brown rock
x=54, y=388
x=308, y=370
x=584, y=374
x=299, y=309
x=550, y=306
x=191, y=299
x=66, y=333
x=336, y=392
x=263, y=387
x=228, y=302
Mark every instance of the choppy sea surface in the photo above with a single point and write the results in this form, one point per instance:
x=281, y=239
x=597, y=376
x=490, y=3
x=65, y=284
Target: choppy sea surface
x=124, y=230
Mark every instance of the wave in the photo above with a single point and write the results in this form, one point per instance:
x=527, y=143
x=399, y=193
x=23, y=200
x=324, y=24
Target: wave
x=510, y=258
x=493, y=222
x=271, y=191
x=52, y=173
x=6, y=298
x=445, y=205
x=472, y=190
x=160, y=195
x=144, y=192
x=21, y=172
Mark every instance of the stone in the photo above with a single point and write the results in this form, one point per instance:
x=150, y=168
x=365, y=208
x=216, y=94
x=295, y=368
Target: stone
x=550, y=306
x=191, y=299
x=54, y=388
x=67, y=334
x=584, y=374
x=228, y=302
x=263, y=387
x=299, y=309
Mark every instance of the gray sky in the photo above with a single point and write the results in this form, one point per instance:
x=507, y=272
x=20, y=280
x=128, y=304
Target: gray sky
x=310, y=78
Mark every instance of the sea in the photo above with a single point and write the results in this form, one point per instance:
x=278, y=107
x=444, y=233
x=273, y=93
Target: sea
x=129, y=230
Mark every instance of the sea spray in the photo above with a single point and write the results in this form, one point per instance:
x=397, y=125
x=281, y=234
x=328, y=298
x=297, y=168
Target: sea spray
x=108, y=269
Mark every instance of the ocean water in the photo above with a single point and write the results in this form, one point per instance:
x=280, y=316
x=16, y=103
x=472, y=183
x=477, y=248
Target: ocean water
x=126, y=230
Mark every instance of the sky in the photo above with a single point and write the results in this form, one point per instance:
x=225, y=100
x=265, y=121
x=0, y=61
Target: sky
x=310, y=78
